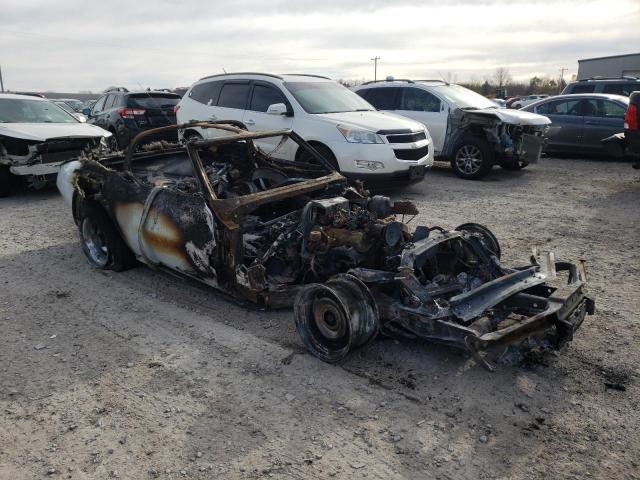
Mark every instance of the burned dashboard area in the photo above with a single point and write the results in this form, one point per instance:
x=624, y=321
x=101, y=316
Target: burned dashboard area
x=281, y=233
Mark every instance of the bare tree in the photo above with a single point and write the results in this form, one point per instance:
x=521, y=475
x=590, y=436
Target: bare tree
x=502, y=77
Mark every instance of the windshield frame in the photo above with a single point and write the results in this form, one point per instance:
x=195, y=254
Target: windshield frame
x=360, y=104
x=57, y=108
x=458, y=101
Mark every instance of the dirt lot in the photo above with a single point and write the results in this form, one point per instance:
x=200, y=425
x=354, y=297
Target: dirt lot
x=141, y=375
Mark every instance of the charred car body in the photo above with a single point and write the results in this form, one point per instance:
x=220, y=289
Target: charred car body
x=268, y=231
x=37, y=136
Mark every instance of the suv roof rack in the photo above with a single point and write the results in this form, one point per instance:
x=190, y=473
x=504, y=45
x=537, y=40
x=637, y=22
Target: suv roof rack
x=433, y=80
x=623, y=77
x=389, y=80
x=243, y=73
x=307, y=75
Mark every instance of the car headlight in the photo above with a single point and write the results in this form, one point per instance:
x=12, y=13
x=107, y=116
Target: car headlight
x=355, y=135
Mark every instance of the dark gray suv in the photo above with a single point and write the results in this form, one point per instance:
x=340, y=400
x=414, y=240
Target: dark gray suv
x=616, y=86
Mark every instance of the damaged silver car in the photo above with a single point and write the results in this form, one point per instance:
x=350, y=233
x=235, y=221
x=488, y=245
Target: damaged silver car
x=281, y=233
x=468, y=130
x=37, y=136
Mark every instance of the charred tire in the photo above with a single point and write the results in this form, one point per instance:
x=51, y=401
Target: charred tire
x=5, y=181
x=101, y=242
x=472, y=158
x=323, y=150
x=487, y=236
x=335, y=317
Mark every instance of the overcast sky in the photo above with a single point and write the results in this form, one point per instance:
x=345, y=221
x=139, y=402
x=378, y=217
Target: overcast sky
x=73, y=45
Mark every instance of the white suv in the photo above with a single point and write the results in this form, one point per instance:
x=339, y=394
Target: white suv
x=360, y=141
x=468, y=130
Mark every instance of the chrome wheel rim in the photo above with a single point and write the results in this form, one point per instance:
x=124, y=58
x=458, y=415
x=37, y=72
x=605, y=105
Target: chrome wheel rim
x=469, y=159
x=94, y=242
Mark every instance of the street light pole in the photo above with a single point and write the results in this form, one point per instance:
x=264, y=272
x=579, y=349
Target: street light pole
x=1, y=82
x=375, y=67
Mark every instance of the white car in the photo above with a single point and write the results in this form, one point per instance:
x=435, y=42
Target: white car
x=360, y=141
x=37, y=136
x=527, y=100
x=467, y=129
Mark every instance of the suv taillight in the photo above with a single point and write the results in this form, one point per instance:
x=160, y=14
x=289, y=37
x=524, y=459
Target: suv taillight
x=130, y=112
x=631, y=117
x=175, y=109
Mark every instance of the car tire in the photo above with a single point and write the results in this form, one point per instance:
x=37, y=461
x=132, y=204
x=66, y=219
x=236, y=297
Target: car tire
x=323, y=150
x=5, y=181
x=336, y=317
x=113, y=143
x=472, y=158
x=101, y=242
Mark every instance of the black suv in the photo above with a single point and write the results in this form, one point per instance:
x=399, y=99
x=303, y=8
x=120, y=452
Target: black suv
x=125, y=114
x=619, y=86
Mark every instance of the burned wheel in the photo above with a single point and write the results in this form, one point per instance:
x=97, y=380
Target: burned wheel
x=485, y=234
x=101, y=242
x=334, y=318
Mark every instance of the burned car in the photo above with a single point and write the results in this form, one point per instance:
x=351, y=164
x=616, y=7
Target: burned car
x=37, y=136
x=277, y=233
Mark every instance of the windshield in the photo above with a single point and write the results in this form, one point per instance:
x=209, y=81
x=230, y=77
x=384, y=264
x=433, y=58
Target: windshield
x=326, y=97
x=462, y=97
x=75, y=104
x=13, y=110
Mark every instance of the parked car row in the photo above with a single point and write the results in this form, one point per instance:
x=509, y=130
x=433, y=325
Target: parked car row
x=390, y=130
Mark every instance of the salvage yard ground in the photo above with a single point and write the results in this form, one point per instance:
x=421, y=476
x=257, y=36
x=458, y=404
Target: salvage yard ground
x=140, y=375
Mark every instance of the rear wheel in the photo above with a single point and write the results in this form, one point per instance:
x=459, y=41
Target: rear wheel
x=487, y=236
x=5, y=181
x=101, y=241
x=335, y=317
x=472, y=158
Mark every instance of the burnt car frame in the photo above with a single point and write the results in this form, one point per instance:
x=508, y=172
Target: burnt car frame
x=270, y=231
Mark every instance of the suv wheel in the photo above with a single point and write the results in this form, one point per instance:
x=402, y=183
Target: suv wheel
x=306, y=157
x=472, y=158
x=113, y=142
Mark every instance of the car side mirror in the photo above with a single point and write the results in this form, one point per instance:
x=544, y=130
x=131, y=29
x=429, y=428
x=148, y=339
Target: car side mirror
x=86, y=111
x=277, y=109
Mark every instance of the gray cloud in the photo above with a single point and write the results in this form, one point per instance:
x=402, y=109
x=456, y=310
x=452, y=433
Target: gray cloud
x=89, y=45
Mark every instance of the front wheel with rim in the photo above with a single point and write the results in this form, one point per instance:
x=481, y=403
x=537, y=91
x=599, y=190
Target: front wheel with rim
x=101, y=242
x=113, y=142
x=472, y=158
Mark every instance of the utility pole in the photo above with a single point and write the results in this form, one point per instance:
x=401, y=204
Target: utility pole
x=562, y=70
x=375, y=67
x=1, y=82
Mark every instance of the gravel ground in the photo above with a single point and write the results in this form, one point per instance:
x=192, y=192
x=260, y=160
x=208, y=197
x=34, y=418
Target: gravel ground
x=141, y=375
